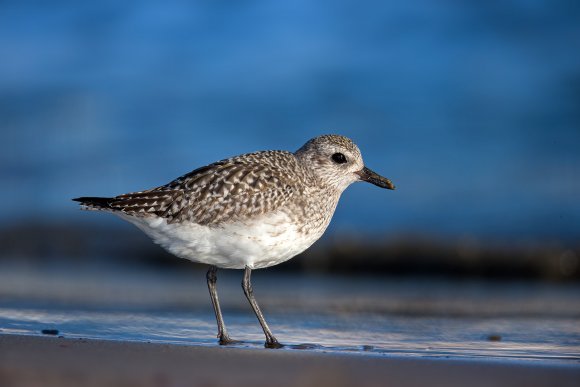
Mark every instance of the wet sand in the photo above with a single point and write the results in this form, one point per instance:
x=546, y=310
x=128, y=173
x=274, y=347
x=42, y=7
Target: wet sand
x=52, y=361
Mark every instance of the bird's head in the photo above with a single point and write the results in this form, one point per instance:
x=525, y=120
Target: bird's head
x=337, y=161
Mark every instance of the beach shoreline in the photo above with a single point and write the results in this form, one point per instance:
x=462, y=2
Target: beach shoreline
x=58, y=361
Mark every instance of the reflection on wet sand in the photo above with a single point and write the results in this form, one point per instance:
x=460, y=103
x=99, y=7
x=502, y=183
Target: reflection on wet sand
x=412, y=317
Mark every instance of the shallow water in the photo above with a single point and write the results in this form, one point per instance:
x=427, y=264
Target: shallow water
x=521, y=338
x=366, y=316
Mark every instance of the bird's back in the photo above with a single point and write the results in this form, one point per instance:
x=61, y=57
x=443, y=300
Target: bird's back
x=240, y=187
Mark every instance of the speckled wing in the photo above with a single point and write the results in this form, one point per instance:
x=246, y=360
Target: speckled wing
x=235, y=188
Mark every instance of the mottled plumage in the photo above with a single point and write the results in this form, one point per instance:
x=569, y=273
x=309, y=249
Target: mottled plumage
x=249, y=211
x=239, y=187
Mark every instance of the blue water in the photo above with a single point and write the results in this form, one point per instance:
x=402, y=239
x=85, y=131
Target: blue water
x=525, y=339
x=470, y=108
x=378, y=316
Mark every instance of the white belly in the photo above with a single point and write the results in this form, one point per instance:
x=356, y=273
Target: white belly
x=256, y=243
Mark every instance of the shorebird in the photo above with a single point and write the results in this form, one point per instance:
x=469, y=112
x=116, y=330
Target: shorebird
x=247, y=212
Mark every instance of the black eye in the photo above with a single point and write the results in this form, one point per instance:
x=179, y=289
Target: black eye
x=339, y=158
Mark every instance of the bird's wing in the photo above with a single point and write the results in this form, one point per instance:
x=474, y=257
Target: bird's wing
x=239, y=187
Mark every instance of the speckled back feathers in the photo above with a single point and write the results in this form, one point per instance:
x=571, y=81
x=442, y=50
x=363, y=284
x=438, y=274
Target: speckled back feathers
x=239, y=188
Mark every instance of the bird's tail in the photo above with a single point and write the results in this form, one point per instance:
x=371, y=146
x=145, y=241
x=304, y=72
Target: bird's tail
x=94, y=203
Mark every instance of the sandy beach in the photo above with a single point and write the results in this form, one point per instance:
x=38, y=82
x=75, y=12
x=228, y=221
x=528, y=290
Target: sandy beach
x=52, y=361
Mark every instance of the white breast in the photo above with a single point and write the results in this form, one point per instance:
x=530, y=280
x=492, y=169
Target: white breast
x=257, y=243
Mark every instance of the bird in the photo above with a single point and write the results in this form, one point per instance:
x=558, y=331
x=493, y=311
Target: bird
x=247, y=212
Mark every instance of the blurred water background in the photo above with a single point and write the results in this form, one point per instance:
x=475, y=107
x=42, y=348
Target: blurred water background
x=472, y=109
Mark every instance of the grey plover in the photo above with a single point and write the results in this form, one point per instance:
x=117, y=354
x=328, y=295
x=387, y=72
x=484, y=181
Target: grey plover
x=247, y=212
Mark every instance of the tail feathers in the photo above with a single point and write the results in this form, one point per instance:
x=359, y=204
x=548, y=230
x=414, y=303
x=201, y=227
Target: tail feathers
x=94, y=203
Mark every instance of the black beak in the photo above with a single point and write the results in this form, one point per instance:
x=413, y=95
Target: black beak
x=369, y=176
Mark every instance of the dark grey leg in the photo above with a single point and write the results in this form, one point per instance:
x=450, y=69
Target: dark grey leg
x=271, y=341
x=211, y=285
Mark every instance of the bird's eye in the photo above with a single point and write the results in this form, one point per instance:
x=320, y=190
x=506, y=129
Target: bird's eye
x=339, y=158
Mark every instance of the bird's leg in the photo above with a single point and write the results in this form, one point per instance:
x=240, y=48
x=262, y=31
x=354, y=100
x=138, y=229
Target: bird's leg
x=271, y=341
x=211, y=285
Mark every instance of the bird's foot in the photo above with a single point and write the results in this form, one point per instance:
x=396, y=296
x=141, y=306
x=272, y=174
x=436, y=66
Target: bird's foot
x=273, y=344
x=225, y=340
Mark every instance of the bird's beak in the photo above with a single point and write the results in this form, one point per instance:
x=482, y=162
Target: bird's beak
x=369, y=176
